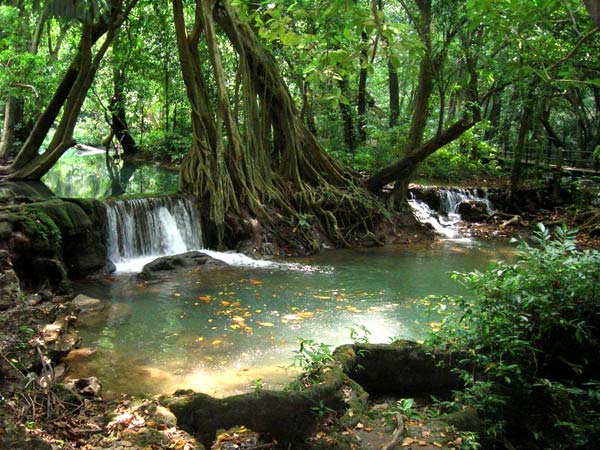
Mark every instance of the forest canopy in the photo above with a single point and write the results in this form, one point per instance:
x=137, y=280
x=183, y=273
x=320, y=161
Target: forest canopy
x=300, y=113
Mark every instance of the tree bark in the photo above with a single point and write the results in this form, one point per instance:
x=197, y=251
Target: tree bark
x=8, y=129
x=394, y=93
x=362, y=93
x=346, y=113
x=524, y=128
x=119, y=124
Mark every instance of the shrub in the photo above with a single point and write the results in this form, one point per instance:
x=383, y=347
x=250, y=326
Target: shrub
x=528, y=336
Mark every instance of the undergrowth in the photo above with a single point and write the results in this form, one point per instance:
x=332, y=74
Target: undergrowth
x=528, y=336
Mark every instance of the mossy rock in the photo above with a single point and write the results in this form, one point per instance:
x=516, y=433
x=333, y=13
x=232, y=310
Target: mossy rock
x=53, y=240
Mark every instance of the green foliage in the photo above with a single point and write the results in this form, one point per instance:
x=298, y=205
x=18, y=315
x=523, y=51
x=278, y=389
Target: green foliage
x=404, y=407
x=321, y=410
x=466, y=158
x=312, y=356
x=528, y=337
x=360, y=334
x=168, y=147
x=257, y=385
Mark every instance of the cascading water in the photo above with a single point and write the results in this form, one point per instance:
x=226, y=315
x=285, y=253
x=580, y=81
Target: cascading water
x=451, y=198
x=445, y=218
x=140, y=230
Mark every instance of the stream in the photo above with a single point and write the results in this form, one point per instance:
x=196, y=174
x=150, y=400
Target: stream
x=220, y=331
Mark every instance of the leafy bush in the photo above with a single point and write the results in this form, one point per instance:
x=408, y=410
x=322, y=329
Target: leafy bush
x=169, y=147
x=528, y=340
x=466, y=158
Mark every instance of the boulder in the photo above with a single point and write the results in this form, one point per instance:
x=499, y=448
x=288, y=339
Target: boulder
x=60, y=337
x=52, y=240
x=86, y=305
x=473, y=211
x=168, y=264
x=86, y=387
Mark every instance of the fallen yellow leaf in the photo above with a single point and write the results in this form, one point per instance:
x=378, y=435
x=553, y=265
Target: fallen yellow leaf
x=407, y=442
x=216, y=342
x=264, y=324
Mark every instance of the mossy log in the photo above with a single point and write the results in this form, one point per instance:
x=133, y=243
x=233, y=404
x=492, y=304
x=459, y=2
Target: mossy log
x=344, y=384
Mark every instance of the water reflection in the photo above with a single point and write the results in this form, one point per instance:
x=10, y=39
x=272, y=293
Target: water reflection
x=89, y=174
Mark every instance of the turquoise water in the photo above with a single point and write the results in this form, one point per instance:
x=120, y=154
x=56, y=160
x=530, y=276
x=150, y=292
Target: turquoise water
x=216, y=331
x=86, y=175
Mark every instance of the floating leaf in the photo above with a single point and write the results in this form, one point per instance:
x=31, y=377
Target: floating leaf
x=264, y=324
x=322, y=297
x=306, y=314
x=204, y=298
x=225, y=303
x=216, y=342
x=256, y=282
x=177, y=294
x=200, y=339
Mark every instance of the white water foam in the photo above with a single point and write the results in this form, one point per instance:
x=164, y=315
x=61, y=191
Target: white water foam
x=446, y=222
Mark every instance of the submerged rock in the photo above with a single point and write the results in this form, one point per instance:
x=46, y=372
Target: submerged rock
x=404, y=368
x=85, y=304
x=168, y=264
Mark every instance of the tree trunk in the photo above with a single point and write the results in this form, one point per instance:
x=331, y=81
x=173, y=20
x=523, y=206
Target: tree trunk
x=277, y=174
x=394, y=92
x=403, y=169
x=494, y=118
x=524, y=128
x=307, y=112
x=362, y=93
x=8, y=129
x=119, y=125
x=346, y=113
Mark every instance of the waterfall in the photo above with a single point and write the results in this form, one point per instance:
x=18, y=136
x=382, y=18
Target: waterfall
x=439, y=207
x=452, y=197
x=143, y=229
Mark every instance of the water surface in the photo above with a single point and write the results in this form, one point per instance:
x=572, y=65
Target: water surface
x=217, y=331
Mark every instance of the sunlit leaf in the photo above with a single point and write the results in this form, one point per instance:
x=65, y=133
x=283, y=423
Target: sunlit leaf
x=264, y=324
x=216, y=342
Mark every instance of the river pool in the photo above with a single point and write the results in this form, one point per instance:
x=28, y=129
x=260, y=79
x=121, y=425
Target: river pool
x=218, y=331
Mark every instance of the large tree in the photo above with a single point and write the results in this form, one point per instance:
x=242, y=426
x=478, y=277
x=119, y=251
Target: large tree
x=258, y=160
